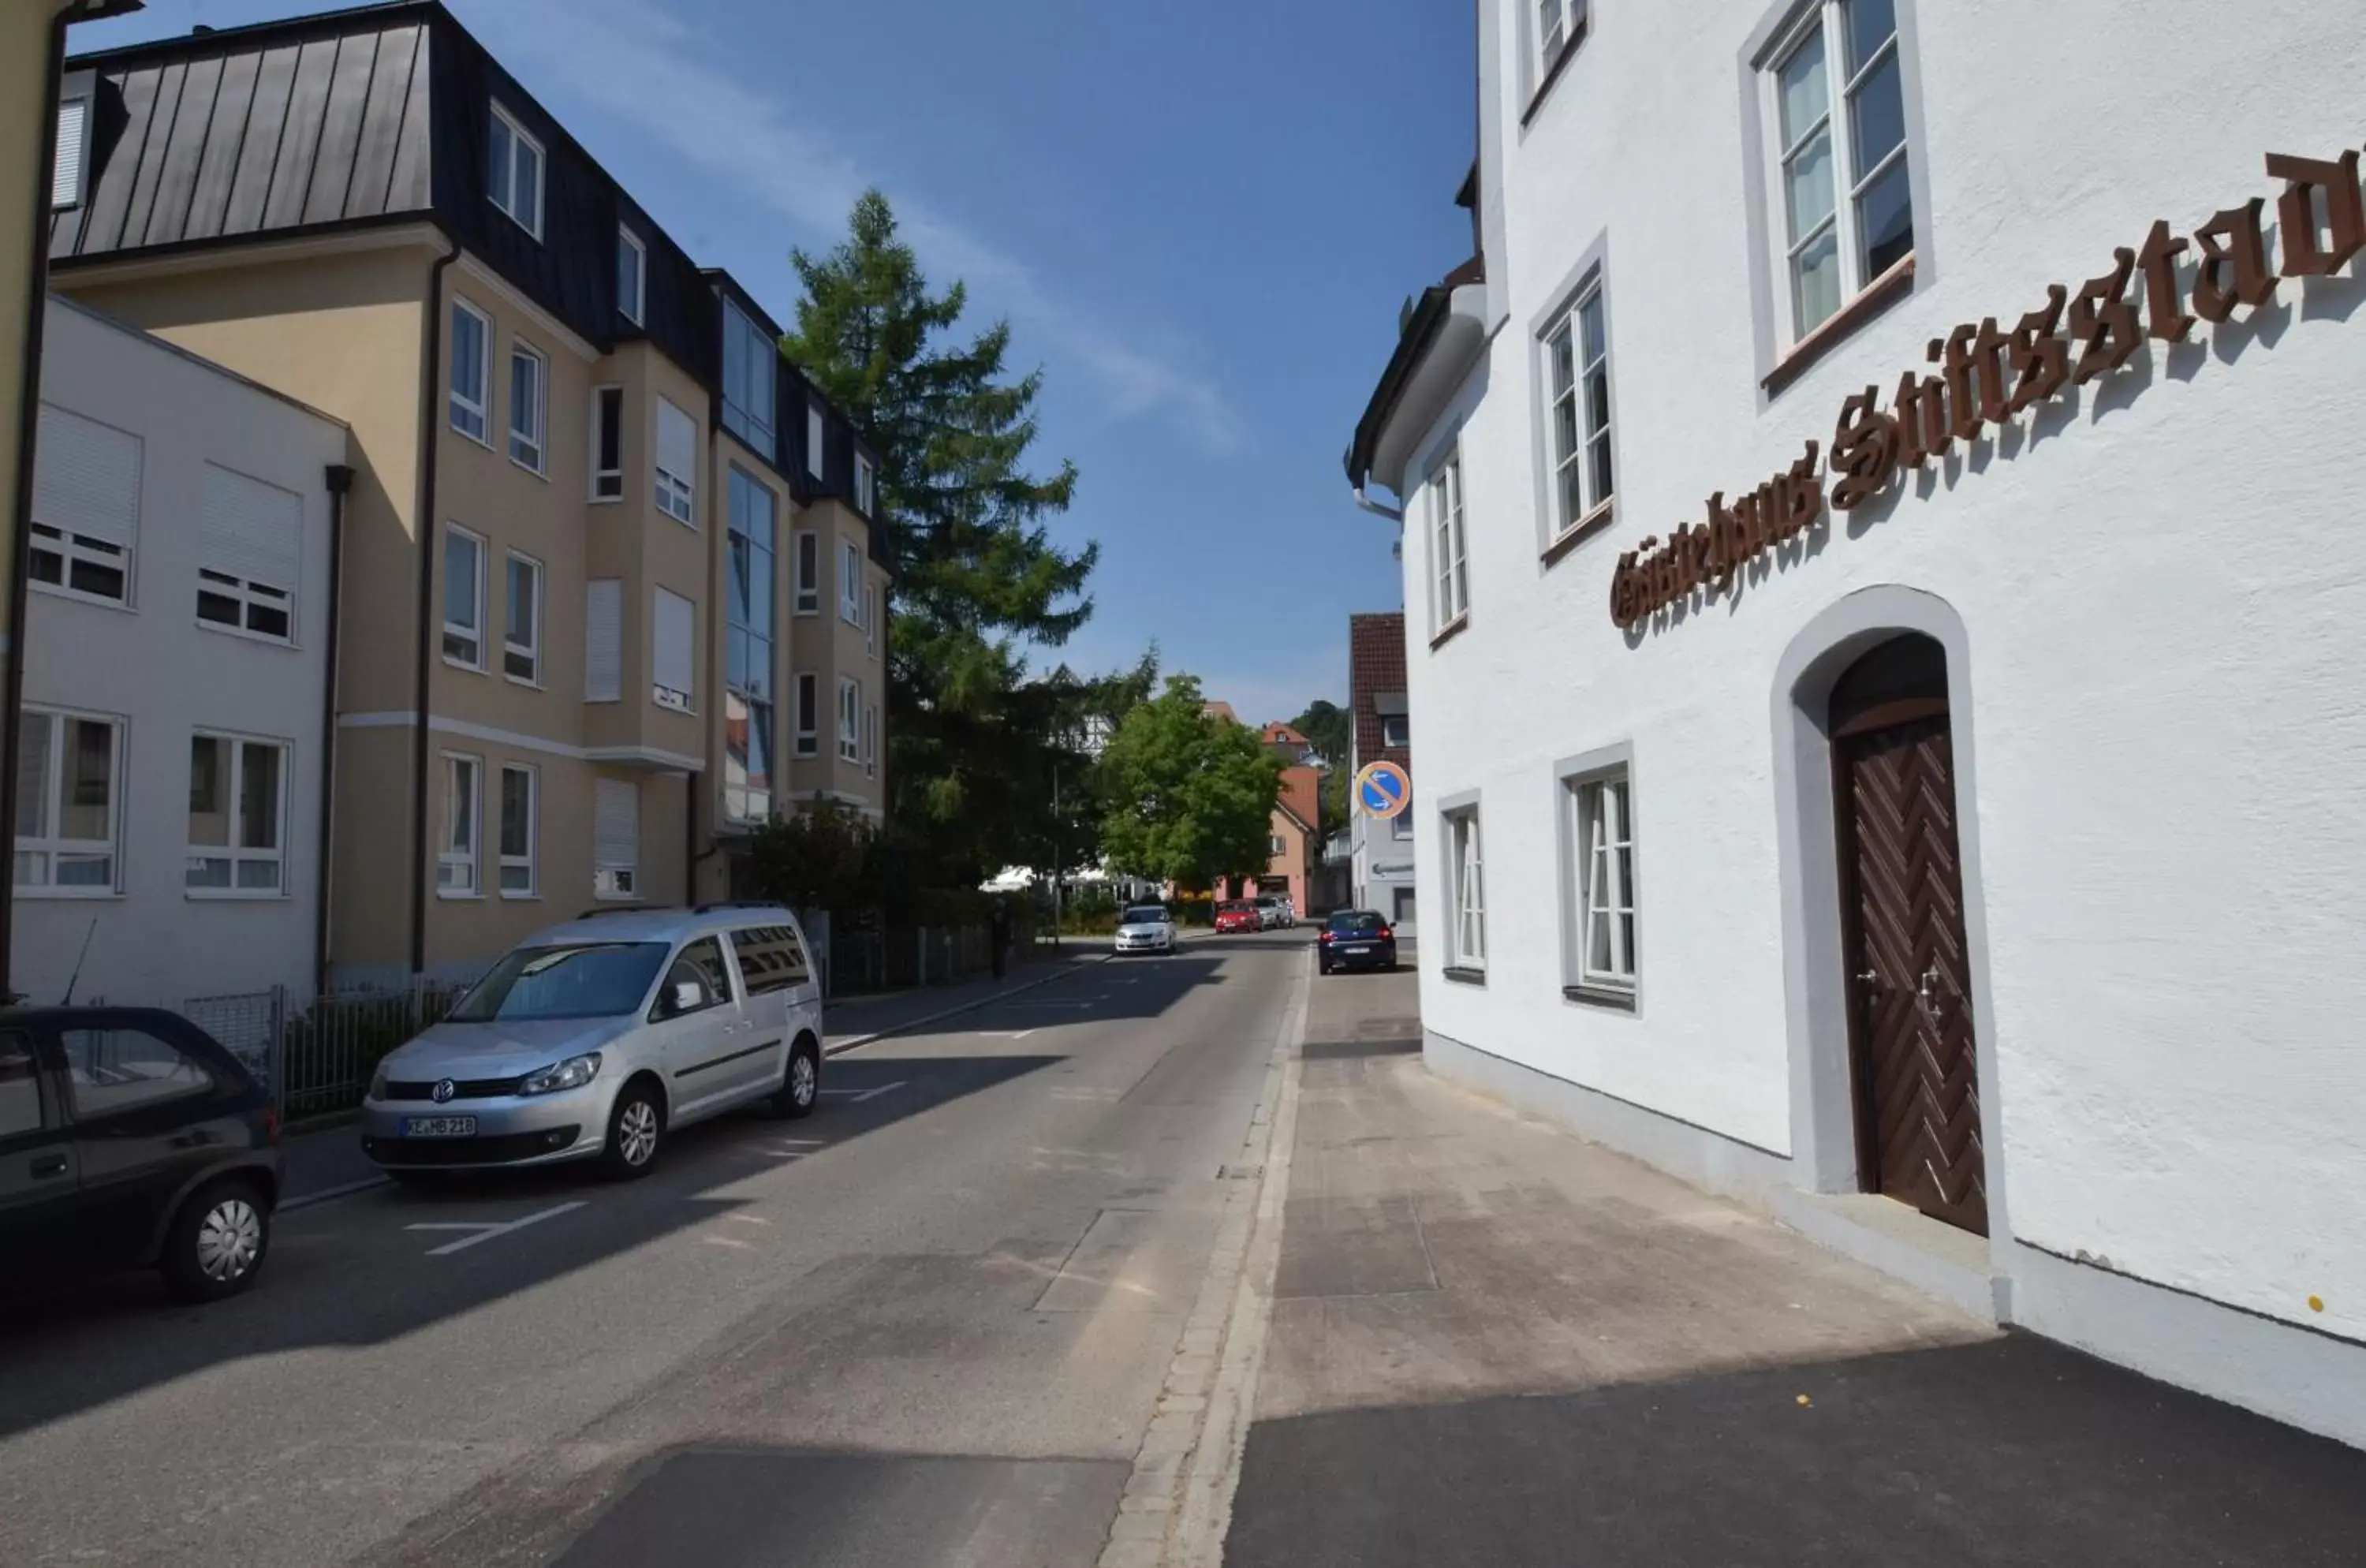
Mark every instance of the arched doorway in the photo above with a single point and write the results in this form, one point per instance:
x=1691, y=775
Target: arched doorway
x=1912, y=1061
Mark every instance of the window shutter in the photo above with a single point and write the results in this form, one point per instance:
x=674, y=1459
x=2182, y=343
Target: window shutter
x=604, y=640
x=65, y=183
x=250, y=530
x=86, y=477
x=677, y=442
x=615, y=825
x=676, y=643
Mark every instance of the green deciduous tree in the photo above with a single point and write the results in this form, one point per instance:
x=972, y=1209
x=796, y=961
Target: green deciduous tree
x=1331, y=730
x=979, y=580
x=1185, y=798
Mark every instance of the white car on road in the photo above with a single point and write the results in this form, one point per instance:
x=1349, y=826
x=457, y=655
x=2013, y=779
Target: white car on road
x=1145, y=928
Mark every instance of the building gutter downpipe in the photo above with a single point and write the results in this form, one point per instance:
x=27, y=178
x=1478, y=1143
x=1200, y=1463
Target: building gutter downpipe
x=340, y=479
x=1393, y=514
x=20, y=533
x=430, y=393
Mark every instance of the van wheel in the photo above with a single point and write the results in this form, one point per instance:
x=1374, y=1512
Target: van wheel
x=636, y=1128
x=800, y=1088
x=217, y=1241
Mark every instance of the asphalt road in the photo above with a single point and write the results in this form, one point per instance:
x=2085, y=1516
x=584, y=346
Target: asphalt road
x=928, y=1324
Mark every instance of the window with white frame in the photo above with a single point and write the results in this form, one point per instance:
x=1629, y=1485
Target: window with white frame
x=816, y=440
x=677, y=464
x=752, y=368
x=86, y=486
x=673, y=650
x=69, y=802
x=1273, y=844
x=615, y=839
x=751, y=584
x=849, y=582
x=1577, y=360
x=604, y=640
x=1560, y=25
x=1466, y=946
x=238, y=818
x=455, y=857
x=529, y=397
x=870, y=740
x=250, y=548
x=807, y=581
x=871, y=620
x=464, y=597
x=1401, y=825
x=1837, y=93
x=866, y=485
x=608, y=444
x=513, y=171
x=68, y=176
x=808, y=714
x=522, y=633
x=850, y=719
x=632, y=275
x=1396, y=730
x=1449, y=569
x=472, y=369
x=1602, y=838
x=520, y=829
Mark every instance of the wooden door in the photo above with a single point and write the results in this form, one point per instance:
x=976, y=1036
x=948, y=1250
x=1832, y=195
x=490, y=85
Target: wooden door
x=1917, y=1078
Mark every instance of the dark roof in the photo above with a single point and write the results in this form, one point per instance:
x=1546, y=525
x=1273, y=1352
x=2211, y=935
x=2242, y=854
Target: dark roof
x=1415, y=334
x=208, y=137
x=1376, y=663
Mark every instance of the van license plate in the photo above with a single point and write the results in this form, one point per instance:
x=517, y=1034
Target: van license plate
x=439, y=1126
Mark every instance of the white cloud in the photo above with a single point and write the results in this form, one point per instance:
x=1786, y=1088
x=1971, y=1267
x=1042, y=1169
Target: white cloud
x=641, y=64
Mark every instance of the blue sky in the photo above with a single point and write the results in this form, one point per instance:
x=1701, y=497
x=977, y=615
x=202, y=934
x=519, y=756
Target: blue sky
x=1201, y=220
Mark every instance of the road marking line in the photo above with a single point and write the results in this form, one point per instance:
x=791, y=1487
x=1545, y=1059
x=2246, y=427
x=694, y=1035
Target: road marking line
x=730, y=1241
x=486, y=1232
x=859, y=1095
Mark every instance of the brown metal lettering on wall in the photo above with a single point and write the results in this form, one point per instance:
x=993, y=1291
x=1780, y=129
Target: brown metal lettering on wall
x=2296, y=212
x=1864, y=450
x=2164, y=305
x=2040, y=358
x=2232, y=239
x=2104, y=321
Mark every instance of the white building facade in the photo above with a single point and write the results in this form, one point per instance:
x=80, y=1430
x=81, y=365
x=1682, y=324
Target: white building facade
x=1883, y=621
x=176, y=669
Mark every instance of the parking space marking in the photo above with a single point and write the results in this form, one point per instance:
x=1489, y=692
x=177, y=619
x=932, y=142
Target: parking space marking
x=857, y=1096
x=485, y=1231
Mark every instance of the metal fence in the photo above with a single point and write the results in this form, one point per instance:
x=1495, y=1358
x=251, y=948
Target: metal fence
x=317, y=1053
x=922, y=955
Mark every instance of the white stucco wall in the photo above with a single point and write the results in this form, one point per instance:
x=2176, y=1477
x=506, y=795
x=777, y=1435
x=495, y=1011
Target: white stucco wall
x=2162, y=594
x=162, y=672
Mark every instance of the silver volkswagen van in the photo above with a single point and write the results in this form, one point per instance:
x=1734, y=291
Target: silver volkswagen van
x=596, y=1039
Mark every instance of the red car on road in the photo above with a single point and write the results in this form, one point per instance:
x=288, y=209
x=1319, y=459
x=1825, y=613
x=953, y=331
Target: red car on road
x=1239, y=916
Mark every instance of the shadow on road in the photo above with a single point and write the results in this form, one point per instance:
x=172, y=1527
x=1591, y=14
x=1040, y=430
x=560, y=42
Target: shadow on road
x=350, y=1275
x=2008, y=1451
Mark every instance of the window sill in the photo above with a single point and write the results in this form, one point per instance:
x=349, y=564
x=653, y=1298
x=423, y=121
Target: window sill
x=243, y=634
x=448, y=897
x=59, y=591
x=535, y=685
x=1452, y=629
x=1585, y=528
x=1552, y=74
x=69, y=895
x=534, y=468
x=1871, y=301
x=1608, y=997
x=234, y=895
x=458, y=664
x=472, y=439
x=605, y=500
x=510, y=897
x=1463, y=975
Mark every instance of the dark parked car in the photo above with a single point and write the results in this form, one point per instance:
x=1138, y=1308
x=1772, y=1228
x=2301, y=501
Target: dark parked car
x=1356, y=939
x=129, y=1139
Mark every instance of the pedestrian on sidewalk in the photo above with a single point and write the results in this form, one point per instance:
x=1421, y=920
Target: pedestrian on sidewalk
x=999, y=937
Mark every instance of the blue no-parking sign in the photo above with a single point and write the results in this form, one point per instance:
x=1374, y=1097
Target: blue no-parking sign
x=1382, y=790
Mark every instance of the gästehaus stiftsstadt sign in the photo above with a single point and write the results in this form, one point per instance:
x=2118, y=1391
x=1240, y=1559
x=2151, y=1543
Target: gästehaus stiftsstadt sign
x=1986, y=374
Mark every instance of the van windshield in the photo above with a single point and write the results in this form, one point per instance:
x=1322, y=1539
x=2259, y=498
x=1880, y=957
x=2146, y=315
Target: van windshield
x=601, y=979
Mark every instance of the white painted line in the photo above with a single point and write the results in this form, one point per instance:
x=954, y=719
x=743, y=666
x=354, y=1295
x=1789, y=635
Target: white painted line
x=857, y=1041
x=486, y=1232
x=857, y=1096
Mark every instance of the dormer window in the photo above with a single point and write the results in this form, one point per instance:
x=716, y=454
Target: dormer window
x=513, y=171
x=750, y=370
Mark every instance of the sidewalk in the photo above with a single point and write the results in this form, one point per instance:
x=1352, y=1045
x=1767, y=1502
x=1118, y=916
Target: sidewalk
x=1494, y=1344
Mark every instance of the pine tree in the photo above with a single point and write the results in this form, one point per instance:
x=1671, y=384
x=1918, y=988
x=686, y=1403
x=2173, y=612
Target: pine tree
x=978, y=580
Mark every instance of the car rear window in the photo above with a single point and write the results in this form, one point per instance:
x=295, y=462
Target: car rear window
x=1357, y=922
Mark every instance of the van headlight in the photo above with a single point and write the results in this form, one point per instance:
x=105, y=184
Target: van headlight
x=572, y=1073
x=377, y=1081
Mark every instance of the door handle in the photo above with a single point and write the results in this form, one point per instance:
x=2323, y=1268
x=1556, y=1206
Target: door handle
x=46, y=1166
x=1868, y=978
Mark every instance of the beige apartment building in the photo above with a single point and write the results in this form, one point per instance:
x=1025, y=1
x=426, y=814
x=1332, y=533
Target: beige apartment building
x=612, y=588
